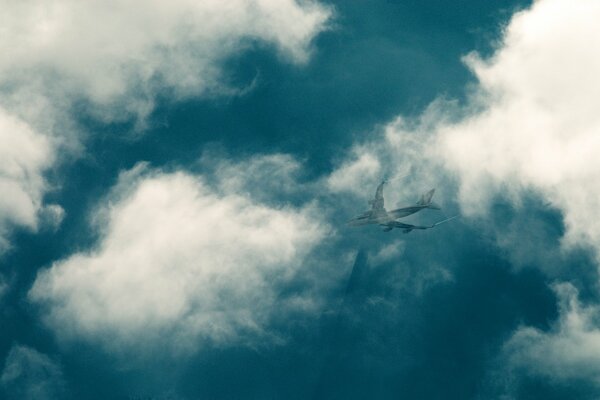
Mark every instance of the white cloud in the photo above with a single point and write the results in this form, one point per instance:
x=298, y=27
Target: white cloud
x=356, y=174
x=112, y=59
x=388, y=252
x=120, y=54
x=24, y=156
x=31, y=375
x=180, y=263
x=263, y=177
x=52, y=216
x=539, y=126
x=570, y=350
x=530, y=124
x=404, y=155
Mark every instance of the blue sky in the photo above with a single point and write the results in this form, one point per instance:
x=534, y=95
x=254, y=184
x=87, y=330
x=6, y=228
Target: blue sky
x=177, y=175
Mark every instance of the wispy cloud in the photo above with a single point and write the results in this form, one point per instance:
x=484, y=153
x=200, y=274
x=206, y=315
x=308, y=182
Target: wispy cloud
x=31, y=375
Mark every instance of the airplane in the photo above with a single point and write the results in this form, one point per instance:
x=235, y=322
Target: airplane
x=380, y=216
x=409, y=227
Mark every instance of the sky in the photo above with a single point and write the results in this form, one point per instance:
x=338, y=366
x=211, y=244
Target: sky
x=176, y=178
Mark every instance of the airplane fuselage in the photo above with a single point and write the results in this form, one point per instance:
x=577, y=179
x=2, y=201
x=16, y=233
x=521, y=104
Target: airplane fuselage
x=378, y=215
x=382, y=216
x=359, y=221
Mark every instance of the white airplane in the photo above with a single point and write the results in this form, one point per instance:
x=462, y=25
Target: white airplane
x=380, y=216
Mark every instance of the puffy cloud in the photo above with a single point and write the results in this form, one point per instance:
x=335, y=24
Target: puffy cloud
x=529, y=125
x=538, y=125
x=120, y=54
x=31, y=375
x=24, y=156
x=181, y=262
x=569, y=350
x=113, y=59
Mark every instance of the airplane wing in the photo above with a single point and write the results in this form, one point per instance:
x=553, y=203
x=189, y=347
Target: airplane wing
x=409, y=227
x=378, y=203
x=404, y=212
x=424, y=202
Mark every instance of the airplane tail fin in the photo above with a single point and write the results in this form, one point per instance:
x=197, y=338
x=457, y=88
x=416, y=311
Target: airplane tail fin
x=425, y=200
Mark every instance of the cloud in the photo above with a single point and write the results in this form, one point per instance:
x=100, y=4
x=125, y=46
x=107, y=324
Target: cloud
x=112, y=60
x=120, y=55
x=538, y=126
x=31, y=375
x=403, y=153
x=388, y=252
x=263, y=177
x=528, y=129
x=52, y=216
x=529, y=125
x=3, y=288
x=570, y=350
x=179, y=263
x=25, y=155
x=356, y=173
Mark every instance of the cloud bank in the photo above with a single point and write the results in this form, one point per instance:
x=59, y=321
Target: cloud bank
x=180, y=263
